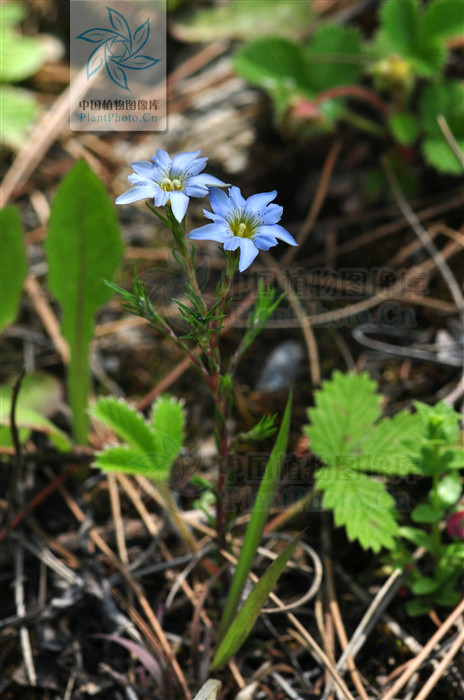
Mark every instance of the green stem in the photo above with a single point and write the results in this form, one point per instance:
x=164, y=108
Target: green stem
x=363, y=124
x=178, y=231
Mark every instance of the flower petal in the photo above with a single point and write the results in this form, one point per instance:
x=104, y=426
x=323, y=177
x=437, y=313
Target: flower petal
x=220, y=202
x=248, y=252
x=137, y=179
x=210, y=232
x=278, y=232
x=264, y=242
x=236, y=197
x=194, y=190
x=196, y=166
x=161, y=159
x=206, y=180
x=135, y=194
x=161, y=197
x=232, y=243
x=181, y=162
x=257, y=202
x=143, y=167
x=179, y=204
x=272, y=214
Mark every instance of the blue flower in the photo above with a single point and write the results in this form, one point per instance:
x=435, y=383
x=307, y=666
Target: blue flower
x=169, y=181
x=249, y=224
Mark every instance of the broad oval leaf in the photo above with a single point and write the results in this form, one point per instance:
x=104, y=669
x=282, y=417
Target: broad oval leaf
x=83, y=247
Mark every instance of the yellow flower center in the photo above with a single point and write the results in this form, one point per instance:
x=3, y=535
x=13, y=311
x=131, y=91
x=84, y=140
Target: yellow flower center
x=242, y=229
x=169, y=185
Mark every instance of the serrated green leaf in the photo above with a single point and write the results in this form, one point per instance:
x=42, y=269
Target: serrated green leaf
x=440, y=156
x=399, y=22
x=456, y=460
x=442, y=418
x=19, y=109
x=446, y=598
x=450, y=489
x=361, y=504
x=13, y=264
x=247, y=616
x=415, y=608
x=404, y=127
x=334, y=54
x=276, y=65
x=126, y=423
x=424, y=585
x=83, y=247
x=425, y=513
x=168, y=421
x=346, y=409
x=442, y=19
x=125, y=460
x=446, y=98
x=245, y=20
x=382, y=451
x=255, y=527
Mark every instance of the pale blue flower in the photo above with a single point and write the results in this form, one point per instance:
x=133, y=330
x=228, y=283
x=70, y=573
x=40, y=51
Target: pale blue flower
x=169, y=181
x=249, y=224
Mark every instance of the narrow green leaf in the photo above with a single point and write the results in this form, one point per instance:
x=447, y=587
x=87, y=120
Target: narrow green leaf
x=247, y=616
x=168, y=423
x=126, y=422
x=13, y=264
x=83, y=247
x=258, y=518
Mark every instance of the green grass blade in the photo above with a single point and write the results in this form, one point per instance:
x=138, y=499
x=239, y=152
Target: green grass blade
x=13, y=264
x=247, y=616
x=258, y=519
